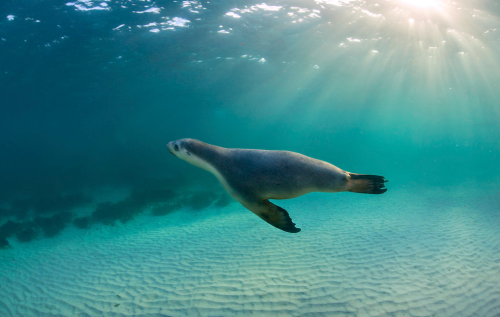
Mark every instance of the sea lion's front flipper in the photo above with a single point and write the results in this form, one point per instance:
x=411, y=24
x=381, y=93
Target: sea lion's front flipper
x=273, y=215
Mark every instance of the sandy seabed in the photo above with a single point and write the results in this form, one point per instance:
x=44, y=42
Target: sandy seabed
x=409, y=252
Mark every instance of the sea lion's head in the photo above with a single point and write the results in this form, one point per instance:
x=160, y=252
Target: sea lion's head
x=180, y=148
x=189, y=150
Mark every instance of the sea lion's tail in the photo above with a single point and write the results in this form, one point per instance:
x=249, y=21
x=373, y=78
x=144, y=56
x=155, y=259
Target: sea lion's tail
x=366, y=184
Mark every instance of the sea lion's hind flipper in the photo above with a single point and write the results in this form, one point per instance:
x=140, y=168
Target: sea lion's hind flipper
x=273, y=215
x=366, y=184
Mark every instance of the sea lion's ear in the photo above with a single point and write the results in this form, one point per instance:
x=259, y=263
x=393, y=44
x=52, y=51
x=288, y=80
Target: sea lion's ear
x=273, y=215
x=187, y=152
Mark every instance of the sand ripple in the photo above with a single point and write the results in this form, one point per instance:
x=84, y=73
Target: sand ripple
x=402, y=254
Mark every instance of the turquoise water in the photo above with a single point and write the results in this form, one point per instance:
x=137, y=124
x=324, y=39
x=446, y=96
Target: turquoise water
x=98, y=219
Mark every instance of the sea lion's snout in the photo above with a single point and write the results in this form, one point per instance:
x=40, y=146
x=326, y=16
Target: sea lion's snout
x=171, y=147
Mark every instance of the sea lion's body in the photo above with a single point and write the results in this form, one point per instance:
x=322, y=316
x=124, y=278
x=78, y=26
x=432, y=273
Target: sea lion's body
x=277, y=174
x=254, y=176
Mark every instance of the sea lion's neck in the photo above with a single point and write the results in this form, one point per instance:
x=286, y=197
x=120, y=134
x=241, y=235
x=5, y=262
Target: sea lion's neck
x=211, y=158
x=207, y=156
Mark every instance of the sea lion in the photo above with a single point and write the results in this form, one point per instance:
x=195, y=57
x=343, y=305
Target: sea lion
x=252, y=177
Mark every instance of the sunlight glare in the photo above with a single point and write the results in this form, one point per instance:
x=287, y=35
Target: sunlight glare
x=422, y=3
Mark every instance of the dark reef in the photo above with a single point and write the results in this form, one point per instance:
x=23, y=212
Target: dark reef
x=52, y=226
x=82, y=222
x=7, y=230
x=50, y=215
x=27, y=234
x=4, y=243
x=10, y=228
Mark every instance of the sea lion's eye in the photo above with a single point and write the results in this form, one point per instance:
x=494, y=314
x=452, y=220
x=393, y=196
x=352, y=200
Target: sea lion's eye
x=187, y=153
x=176, y=147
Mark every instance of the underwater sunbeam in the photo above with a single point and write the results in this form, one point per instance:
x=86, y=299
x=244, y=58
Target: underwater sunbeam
x=422, y=3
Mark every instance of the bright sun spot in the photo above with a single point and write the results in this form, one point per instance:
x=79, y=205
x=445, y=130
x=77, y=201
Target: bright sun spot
x=422, y=3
